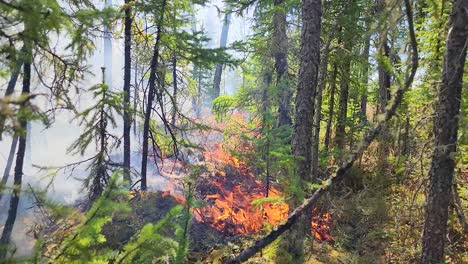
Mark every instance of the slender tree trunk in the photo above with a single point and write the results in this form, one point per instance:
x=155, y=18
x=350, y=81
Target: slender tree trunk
x=383, y=50
x=175, y=91
x=331, y=106
x=6, y=172
x=343, y=100
x=384, y=53
x=365, y=79
x=12, y=212
x=150, y=100
x=126, y=89
x=445, y=133
x=302, y=137
x=223, y=43
x=265, y=110
x=135, y=96
x=11, y=88
x=280, y=53
x=318, y=107
x=405, y=150
x=384, y=75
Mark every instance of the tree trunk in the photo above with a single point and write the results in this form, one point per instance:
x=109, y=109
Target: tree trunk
x=384, y=89
x=12, y=212
x=265, y=110
x=318, y=107
x=223, y=43
x=280, y=49
x=445, y=133
x=405, y=149
x=343, y=100
x=6, y=172
x=331, y=106
x=150, y=100
x=175, y=91
x=302, y=137
x=365, y=79
x=384, y=53
x=126, y=89
x=11, y=88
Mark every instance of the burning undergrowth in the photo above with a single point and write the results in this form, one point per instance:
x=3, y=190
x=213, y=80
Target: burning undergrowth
x=230, y=193
x=234, y=201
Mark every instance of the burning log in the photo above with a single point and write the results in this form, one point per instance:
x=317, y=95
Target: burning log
x=261, y=243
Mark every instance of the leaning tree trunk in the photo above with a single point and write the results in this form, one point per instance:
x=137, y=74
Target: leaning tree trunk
x=280, y=48
x=223, y=44
x=12, y=212
x=150, y=100
x=302, y=137
x=445, y=132
x=331, y=106
x=126, y=89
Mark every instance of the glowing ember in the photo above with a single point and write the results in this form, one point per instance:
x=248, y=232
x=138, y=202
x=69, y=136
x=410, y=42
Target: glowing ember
x=320, y=225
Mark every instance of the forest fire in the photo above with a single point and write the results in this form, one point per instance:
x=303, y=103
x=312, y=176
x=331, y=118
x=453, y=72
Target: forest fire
x=230, y=193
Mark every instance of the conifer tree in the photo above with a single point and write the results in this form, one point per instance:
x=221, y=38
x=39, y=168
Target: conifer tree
x=302, y=136
x=445, y=131
x=97, y=119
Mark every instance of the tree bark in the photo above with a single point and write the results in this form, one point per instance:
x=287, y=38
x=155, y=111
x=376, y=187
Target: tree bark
x=223, y=44
x=11, y=86
x=302, y=137
x=12, y=211
x=126, y=89
x=175, y=90
x=365, y=79
x=280, y=48
x=150, y=100
x=10, y=89
x=343, y=100
x=331, y=106
x=318, y=107
x=384, y=53
x=6, y=172
x=383, y=50
x=445, y=134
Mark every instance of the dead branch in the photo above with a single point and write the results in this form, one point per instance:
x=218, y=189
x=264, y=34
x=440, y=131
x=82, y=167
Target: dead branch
x=261, y=243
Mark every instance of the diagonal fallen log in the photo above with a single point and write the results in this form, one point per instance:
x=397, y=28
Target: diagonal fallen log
x=261, y=243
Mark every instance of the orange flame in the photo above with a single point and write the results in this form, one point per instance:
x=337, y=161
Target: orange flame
x=232, y=188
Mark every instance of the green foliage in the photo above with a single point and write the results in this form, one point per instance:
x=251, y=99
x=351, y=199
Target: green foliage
x=82, y=245
x=78, y=237
x=149, y=245
x=96, y=119
x=260, y=201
